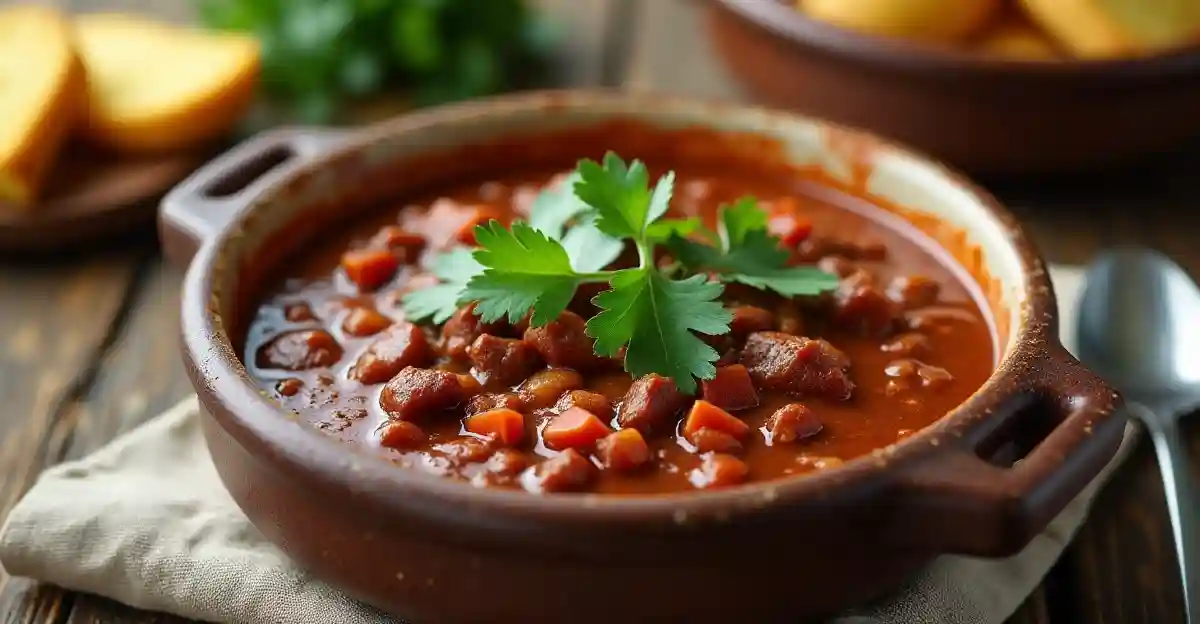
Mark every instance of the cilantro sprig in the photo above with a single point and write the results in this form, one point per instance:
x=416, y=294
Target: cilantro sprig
x=578, y=228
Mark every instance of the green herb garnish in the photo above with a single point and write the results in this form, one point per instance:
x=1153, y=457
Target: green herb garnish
x=656, y=313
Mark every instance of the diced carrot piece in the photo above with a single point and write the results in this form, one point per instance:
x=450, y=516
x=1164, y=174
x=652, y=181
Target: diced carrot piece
x=369, y=268
x=790, y=229
x=623, y=450
x=719, y=470
x=479, y=215
x=361, y=322
x=731, y=389
x=505, y=425
x=706, y=415
x=401, y=434
x=574, y=428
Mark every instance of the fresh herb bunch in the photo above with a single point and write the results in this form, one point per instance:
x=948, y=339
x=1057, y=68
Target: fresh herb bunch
x=656, y=312
x=319, y=53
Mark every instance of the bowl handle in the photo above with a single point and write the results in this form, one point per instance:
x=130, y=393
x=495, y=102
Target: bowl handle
x=971, y=500
x=200, y=206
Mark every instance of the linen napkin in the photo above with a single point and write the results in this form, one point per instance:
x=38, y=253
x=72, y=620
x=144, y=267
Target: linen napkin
x=146, y=521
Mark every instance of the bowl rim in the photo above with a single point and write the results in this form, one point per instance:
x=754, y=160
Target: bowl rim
x=906, y=56
x=246, y=413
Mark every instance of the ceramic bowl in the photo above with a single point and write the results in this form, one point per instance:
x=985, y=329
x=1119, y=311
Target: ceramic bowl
x=433, y=549
x=988, y=116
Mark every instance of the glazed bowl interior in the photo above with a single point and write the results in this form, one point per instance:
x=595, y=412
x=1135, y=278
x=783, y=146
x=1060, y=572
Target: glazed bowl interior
x=780, y=17
x=385, y=161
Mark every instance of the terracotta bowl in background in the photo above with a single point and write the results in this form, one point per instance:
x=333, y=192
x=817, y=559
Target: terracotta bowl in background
x=989, y=116
x=431, y=549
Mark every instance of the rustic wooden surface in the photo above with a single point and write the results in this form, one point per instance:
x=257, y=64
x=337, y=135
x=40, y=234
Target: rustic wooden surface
x=89, y=344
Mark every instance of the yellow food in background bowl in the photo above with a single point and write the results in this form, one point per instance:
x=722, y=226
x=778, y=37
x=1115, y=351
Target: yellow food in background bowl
x=156, y=87
x=923, y=20
x=42, y=96
x=1107, y=28
x=1014, y=38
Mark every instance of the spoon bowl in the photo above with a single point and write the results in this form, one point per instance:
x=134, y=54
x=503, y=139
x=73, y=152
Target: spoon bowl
x=1139, y=327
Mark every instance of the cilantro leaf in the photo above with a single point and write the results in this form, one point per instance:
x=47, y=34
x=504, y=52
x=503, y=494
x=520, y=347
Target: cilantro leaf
x=589, y=248
x=663, y=229
x=438, y=303
x=656, y=317
x=740, y=221
x=621, y=196
x=523, y=270
x=555, y=207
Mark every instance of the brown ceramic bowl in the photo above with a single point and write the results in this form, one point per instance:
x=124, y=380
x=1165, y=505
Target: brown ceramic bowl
x=989, y=116
x=433, y=549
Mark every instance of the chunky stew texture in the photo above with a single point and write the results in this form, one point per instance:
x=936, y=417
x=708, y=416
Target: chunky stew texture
x=803, y=384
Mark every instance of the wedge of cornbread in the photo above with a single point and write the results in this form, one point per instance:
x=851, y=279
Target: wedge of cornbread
x=923, y=20
x=1108, y=28
x=1013, y=37
x=43, y=92
x=156, y=87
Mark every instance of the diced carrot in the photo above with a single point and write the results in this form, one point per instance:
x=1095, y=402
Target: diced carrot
x=719, y=470
x=361, y=322
x=479, y=215
x=731, y=389
x=706, y=415
x=574, y=428
x=623, y=450
x=790, y=229
x=400, y=434
x=505, y=425
x=369, y=268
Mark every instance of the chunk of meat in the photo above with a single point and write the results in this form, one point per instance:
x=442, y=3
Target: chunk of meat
x=463, y=328
x=401, y=434
x=289, y=387
x=708, y=440
x=731, y=389
x=403, y=344
x=861, y=306
x=405, y=244
x=593, y=402
x=299, y=312
x=369, y=268
x=937, y=319
x=705, y=415
x=490, y=401
x=719, y=470
x=909, y=374
x=503, y=425
x=797, y=365
x=813, y=248
x=908, y=345
x=362, y=321
x=415, y=393
x=507, y=462
x=564, y=342
x=791, y=423
x=503, y=361
x=569, y=470
x=575, y=428
x=650, y=403
x=467, y=450
x=302, y=349
x=913, y=291
x=837, y=265
x=750, y=319
x=544, y=388
x=623, y=450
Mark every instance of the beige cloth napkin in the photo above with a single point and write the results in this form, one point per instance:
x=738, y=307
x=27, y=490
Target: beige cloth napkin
x=146, y=521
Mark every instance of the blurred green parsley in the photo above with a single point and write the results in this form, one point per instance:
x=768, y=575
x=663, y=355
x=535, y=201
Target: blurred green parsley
x=320, y=55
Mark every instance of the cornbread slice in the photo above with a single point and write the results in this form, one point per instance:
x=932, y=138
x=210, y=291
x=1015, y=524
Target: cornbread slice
x=922, y=20
x=42, y=94
x=1106, y=28
x=156, y=87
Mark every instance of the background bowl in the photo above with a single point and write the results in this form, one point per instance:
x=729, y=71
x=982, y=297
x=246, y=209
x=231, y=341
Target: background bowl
x=990, y=116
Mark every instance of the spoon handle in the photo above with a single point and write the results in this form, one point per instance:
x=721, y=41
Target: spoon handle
x=1181, y=502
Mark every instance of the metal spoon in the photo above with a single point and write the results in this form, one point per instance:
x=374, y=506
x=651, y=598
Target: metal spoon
x=1139, y=327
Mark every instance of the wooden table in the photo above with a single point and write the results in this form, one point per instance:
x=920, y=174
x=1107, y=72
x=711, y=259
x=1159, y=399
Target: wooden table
x=89, y=342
